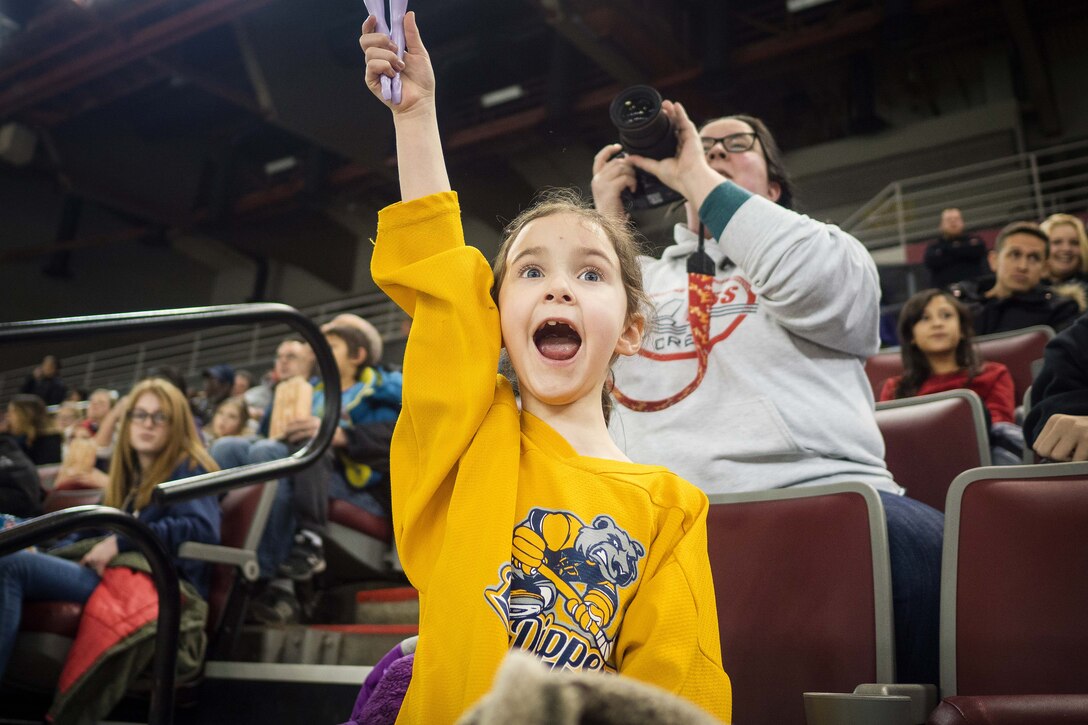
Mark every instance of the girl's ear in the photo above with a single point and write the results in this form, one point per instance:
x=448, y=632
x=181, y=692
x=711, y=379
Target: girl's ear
x=631, y=336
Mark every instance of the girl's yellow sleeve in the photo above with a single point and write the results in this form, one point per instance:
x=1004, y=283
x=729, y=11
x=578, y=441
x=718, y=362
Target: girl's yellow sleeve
x=669, y=635
x=421, y=261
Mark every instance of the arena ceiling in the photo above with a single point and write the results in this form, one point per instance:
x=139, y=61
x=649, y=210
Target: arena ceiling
x=247, y=120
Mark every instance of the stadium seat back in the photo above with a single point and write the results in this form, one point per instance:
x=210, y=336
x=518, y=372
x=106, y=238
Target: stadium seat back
x=804, y=595
x=931, y=439
x=1014, y=594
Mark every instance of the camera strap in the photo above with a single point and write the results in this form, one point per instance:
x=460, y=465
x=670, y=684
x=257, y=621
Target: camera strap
x=701, y=298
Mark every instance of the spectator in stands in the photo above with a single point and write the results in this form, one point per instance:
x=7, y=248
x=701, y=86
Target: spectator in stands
x=243, y=381
x=354, y=470
x=29, y=422
x=503, y=516
x=229, y=419
x=157, y=443
x=45, y=382
x=75, y=395
x=259, y=397
x=1014, y=298
x=954, y=255
x=218, y=383
x=67, y=417
x=939, y=354
x=1056, y=427
x=1067, y=265
x=294, y=358
x=750, y=375
x=98, y=407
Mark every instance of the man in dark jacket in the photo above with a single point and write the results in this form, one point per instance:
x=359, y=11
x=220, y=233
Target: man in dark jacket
x=45, y=382
x=1057, y=424
x=955, y=255
x=1014, y=298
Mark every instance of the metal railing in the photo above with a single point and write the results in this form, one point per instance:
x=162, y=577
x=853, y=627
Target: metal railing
x=120, y=367
x=991, y=193
x=163, y=571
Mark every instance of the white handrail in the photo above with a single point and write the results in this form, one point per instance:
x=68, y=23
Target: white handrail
x=1024, y=186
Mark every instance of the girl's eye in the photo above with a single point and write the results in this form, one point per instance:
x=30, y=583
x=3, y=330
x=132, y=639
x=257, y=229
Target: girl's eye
x=531, y=272
x=592, y=275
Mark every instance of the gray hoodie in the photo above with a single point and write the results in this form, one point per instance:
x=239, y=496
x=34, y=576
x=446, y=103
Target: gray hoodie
x=783, y=400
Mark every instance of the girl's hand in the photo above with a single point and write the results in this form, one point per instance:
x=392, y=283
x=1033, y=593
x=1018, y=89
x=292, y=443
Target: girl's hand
x=416, y=73
x=610, y=177
x=101, y=554
x=688, y=171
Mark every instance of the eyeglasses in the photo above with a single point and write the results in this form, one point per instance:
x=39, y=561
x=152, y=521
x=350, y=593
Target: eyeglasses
x=142, y=417
x=734, y=143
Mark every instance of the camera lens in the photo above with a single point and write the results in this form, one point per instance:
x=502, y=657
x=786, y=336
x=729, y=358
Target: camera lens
x=644, y=129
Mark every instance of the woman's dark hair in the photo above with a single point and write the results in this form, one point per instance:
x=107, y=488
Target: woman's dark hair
x=916, y=368
x=776, y=168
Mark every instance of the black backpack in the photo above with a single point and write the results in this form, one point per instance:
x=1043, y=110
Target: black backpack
x=21, y=491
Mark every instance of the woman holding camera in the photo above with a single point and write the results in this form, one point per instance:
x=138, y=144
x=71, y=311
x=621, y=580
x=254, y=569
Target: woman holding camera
x=762, y=322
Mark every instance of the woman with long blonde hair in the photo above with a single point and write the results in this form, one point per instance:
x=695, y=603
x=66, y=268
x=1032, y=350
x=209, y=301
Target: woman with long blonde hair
x=157, y=442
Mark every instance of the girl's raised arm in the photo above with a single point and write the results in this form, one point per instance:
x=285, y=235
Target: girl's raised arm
x=419, y=147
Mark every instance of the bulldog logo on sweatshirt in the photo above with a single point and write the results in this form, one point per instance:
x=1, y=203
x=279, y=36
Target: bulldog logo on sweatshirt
x=559, y=560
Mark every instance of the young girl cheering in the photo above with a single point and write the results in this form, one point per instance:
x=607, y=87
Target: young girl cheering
x=527, y=527
x=939, y=354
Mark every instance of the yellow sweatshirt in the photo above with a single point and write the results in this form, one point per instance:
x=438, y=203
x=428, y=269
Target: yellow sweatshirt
x=510, y=536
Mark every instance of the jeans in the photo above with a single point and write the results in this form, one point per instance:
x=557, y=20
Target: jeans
x=340, y=489
x=915, y=541
x=234, y=451
x=34, y=576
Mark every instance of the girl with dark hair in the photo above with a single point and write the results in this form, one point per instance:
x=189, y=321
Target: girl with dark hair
x=939, y=354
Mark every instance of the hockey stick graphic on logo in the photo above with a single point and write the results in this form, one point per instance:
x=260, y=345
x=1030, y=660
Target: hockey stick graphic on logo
x=570, y=594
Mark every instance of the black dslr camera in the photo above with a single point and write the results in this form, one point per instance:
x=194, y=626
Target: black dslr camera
x=644, y=131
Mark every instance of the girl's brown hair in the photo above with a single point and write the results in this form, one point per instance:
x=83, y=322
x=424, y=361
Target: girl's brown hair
x=183, y=446
x=916, y=367
x=239, y=405
x=619, y=232
x=35, y=416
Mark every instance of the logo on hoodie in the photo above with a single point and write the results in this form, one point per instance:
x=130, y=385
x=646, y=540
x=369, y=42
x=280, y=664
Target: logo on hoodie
x=679, y=332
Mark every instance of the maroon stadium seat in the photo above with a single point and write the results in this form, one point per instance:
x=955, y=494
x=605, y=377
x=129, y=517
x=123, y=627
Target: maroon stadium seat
x=804, y=595
x=1012, y=710
x=48, y=628
x=931, y=439
x=1014, y=592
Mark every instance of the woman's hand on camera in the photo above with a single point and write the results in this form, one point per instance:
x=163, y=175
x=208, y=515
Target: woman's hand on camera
x=416, y=73
x=610, y=177
x=688, y=171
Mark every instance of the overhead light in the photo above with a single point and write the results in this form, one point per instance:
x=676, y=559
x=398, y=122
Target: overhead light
x=796, y=6
x=503, y=95
x=280, y=165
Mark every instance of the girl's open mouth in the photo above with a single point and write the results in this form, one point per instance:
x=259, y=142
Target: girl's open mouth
x=556, y=340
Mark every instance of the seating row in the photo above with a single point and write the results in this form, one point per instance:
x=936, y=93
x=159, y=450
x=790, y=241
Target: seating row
x=804, y=598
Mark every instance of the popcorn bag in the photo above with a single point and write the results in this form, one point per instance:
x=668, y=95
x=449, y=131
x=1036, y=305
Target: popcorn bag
x=79, y=457
x=293, y=401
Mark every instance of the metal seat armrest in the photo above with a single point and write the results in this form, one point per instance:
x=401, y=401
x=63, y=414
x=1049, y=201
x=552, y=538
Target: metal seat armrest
x=246, y=561
x=878, y=703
